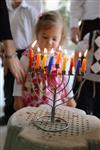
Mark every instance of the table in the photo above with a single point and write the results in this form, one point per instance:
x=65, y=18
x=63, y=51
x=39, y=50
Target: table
x=83, y=132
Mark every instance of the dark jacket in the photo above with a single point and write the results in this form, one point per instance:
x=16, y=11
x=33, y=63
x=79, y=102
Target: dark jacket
x=5, y=32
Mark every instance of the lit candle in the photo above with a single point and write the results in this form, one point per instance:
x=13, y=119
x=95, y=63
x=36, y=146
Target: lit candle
x=59, y=58
x=31, y=56
x=38, y=59
x=78, y=64
x=34, y=43
x=71, y=64
x=51, y=60
x=64, y=63
x=44, y=59
x=83, y=67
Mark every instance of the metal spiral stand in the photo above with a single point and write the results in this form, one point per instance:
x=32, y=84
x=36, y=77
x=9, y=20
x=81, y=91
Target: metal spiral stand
x=53, y=123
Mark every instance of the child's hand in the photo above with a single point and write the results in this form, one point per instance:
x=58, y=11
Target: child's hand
x=71, y=103
x=18, y=103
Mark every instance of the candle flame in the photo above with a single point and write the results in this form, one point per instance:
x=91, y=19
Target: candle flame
x=85, y=54
x=72, y=54
x=34, y=43
x=65, y=52
x=45, y=50
x=60, y=48
x=80, y=54
x=38, y=49
x=52, y=51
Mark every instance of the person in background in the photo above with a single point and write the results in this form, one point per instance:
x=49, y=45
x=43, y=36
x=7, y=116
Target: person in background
x=50, y=33
x=6, y=37
x=88, y=13
x=9, y=49
x=22, y=21
x=84, y=18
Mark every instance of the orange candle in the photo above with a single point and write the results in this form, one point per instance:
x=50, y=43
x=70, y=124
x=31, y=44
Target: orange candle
x=38, y=59
x=83, y=67
x=31, y=56
x=71, y=64
x=59, y=58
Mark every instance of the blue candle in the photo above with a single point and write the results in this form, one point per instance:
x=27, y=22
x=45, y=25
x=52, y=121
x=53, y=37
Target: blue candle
x=50, y=63
x=78, y=65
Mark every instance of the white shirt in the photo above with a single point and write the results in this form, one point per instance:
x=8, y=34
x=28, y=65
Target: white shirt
x=38, y=4
x=22, y=21
x=83, y=10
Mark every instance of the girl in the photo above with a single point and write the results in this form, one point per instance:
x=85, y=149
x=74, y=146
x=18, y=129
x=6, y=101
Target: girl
x=50, y=33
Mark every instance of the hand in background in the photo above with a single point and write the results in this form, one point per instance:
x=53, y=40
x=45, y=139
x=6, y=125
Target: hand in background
x=75, y=35
x=16, y=69
x=71, y=103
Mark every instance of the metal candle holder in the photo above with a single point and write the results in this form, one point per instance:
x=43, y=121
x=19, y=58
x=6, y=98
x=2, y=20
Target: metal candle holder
x=51, y=122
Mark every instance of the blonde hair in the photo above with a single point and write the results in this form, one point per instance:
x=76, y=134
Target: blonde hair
x=49, y=19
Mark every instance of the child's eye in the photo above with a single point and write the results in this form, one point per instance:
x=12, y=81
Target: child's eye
x=45, y=37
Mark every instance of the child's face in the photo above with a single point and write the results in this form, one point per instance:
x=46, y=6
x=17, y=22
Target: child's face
x=50, y=38
x=16, y=3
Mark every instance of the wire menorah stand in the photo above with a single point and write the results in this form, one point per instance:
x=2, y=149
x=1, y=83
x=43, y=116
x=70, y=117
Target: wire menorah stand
x=51, y=122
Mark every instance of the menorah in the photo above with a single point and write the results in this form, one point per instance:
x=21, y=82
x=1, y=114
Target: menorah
x=52, y=122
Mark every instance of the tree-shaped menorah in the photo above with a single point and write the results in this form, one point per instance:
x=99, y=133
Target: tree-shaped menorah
x=52, y=80
x=52, y=91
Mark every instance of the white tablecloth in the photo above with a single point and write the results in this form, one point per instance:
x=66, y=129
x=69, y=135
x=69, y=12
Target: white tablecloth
x=83, y=132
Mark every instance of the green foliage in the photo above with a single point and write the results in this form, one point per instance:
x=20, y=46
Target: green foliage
x=63, y=10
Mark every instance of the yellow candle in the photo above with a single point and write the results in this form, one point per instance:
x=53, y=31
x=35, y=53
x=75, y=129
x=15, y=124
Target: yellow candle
x=83, y=67
x=38, y=59
x=44, y=59
x=64, y=63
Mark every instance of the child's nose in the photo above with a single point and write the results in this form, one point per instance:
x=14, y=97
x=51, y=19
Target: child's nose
x=50, y=41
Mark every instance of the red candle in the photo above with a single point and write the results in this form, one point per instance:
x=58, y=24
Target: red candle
x=71, y=64
x=31, y=56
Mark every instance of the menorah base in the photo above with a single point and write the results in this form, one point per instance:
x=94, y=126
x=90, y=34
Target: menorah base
x=46, y=124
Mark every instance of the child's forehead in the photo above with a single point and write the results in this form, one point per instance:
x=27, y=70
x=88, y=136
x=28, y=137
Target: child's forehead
x=51, y=33
x=51, y=28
